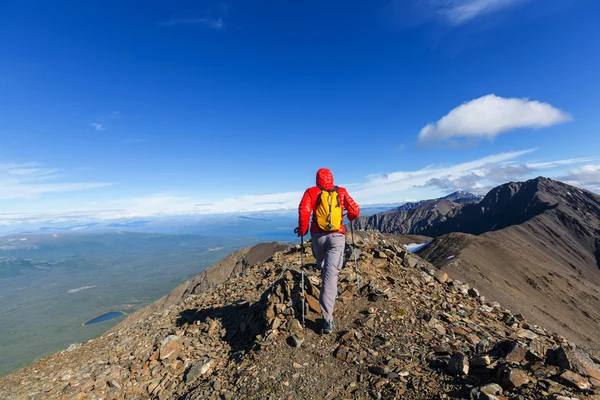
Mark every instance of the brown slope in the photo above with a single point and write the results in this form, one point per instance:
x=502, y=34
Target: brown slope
x=217, y=273
x=531, y=270
x=538, y=251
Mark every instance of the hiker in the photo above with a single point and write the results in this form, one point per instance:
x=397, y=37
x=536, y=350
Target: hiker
x=327, y=202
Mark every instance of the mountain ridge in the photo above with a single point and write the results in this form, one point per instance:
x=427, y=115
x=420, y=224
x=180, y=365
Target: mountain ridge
x=533, y=245
x=409, y=331
x=413, y=218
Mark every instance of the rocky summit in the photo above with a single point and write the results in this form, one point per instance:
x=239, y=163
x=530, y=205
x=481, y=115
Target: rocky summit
x=403, y=330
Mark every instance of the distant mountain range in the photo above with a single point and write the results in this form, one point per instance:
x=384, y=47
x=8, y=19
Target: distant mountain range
x=416, y=217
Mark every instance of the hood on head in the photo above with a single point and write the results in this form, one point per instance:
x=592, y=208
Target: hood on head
x=325, y=178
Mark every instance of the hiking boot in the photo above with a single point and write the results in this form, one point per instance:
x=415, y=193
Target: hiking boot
x=327, y=327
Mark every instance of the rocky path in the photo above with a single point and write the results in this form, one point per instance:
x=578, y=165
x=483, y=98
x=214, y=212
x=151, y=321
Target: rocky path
x=408, y=332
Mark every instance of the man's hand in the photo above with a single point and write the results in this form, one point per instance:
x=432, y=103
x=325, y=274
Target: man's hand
x=297, y=232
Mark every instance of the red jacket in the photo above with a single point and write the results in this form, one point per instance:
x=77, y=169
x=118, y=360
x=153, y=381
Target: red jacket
x=309, y=203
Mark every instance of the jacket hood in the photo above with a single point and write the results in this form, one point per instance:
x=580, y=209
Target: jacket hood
x=325, y=178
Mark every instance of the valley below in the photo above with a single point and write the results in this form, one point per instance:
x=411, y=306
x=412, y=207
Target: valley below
x=53, y=286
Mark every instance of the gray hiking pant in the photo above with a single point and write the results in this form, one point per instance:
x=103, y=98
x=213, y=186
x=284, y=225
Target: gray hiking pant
x=328, y=249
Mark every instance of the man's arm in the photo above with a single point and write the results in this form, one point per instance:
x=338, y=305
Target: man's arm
x=304, y=210
x=351, y=207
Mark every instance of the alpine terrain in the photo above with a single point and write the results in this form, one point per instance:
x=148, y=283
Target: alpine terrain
x=416, y=217
x=534, y=246
x=403, y=330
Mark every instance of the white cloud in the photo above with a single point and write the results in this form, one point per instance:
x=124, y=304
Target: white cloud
x=384, y=188
x=164, y=204
x=561, y=163
x=478, y=176
x=451, y=12
x=489, y=116
x=481, y=180
x=97, y=126
x=460, y=11
x=30, y=180
x=586, y=176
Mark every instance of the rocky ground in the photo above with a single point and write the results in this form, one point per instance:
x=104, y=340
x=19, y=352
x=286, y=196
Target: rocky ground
x=405, y=331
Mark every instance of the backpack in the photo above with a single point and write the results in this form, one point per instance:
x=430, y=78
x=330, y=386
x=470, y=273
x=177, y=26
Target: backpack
x=328, y=212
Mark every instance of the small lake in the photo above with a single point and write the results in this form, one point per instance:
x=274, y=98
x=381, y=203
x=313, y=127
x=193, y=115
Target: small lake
x=105, y=317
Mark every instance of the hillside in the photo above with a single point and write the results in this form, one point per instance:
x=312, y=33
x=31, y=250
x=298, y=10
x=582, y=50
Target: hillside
x=218, y=273
x=409, y=332
x=541, y=255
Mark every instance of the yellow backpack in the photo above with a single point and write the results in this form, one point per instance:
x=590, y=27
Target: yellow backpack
x=328, y=213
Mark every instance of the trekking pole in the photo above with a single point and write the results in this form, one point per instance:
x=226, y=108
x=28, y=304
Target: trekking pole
x=355, y=261
x=302, y=269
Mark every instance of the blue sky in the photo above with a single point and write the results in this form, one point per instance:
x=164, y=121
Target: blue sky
x=191, y=107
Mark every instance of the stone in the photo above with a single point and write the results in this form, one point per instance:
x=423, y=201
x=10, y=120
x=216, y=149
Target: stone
x=491, y=388
x=296, y=340
x=313, y=303
x=114, y=384
x=381, y=254
x=574, y=380
x=486, y=309
x=458, y=365
x=378, y=370
x=341, y=353
x=441, y=276
x=279, y=308
x=294, y=326
x=426, y=277
x=511, y=378
x=170, y=347
x=486, y=392
x=581, y=363
x=274, y=325
x=526, y=334
x=197, y=370
x=516, y=354
x=410, y=261
x=481, y=361
x=214, y=326
x=348, y=336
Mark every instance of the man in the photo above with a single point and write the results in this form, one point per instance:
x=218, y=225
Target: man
x=326, y=202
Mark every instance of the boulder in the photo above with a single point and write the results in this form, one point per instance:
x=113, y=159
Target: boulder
x=441, y=276
x=511, y=378
x=574, y=380
x=458, y=364
x=170, y=347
